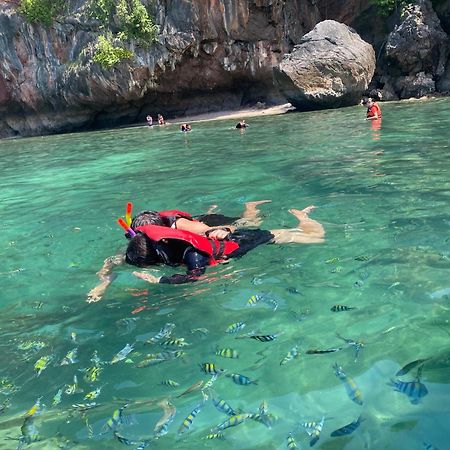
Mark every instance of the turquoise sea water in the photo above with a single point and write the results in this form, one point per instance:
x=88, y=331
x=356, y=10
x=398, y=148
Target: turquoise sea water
x=383, y=198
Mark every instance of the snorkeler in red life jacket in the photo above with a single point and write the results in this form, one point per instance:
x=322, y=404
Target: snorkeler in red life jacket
x=162, y=245
x=373, y=110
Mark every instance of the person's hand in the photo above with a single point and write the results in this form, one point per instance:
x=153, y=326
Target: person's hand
x=95, y=294
x=147, y=277
x=218, y=234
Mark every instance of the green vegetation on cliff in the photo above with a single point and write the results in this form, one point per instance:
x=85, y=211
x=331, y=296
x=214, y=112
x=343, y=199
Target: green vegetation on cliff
x=41, y=11
x=129, y=16
x=107, y=54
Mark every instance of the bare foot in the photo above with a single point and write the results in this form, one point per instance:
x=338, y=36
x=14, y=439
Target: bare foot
x=211, y=209
x=259, y=202
x=303, y=212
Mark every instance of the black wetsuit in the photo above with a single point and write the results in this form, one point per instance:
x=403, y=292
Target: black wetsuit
x=175, y=253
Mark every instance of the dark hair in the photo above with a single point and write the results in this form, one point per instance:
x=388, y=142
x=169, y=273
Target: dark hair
x=148, y=218
x=375, y=95
x=141, y=251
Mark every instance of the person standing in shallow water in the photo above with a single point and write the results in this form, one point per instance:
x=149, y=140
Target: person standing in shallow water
x=149, y=120
x=373, y=110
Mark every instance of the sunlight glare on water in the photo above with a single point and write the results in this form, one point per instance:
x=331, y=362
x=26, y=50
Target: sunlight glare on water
x=383, y=197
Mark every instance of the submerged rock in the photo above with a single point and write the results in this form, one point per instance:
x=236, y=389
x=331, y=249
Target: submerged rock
x=329, y=68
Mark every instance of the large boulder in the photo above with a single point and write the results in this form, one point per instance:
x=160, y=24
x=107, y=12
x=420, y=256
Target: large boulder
x=329, y=68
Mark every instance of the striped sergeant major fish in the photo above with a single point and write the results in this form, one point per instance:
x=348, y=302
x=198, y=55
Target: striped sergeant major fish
x=347, y=429
x=186, y=425
x=241, y=379
x=351, y=387
x=179, y=342
x=227, y=353
x=253, y=300
x=170, y=383
x=211, y=368
x=233, y=421
x=262, y=337
x=292, y=354
x=340, y=308
x=165, y=331
x=414, y=390
x=223, y=406
x=315, y=433
x=116, y=420
x=291, y=443
x=214, y=436
x=235, y=327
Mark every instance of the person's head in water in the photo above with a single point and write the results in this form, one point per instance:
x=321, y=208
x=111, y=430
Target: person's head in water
x=148, y=218
x=141, y=251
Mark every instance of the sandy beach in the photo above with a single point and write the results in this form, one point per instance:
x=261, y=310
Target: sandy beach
x=235, y=114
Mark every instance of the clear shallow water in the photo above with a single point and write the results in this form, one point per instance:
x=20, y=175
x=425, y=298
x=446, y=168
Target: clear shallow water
x=382, y=196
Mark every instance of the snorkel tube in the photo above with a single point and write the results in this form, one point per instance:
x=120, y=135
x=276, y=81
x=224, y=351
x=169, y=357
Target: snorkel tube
x=125, y=226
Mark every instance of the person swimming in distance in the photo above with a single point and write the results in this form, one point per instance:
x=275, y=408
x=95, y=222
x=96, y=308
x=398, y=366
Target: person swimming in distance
x=149, y=120
x=185, y=127
x=241, y=124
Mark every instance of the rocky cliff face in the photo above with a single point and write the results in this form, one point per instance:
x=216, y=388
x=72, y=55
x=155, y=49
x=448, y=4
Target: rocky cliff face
x=210, y=55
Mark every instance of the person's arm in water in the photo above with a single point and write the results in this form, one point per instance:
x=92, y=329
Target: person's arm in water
x=106, y=277
x=195, y=262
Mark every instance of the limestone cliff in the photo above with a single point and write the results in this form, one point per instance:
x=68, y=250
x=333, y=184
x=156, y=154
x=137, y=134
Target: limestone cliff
x=210, y=55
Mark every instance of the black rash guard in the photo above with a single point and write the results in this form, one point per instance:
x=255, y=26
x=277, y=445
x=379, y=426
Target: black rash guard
x=174, y=253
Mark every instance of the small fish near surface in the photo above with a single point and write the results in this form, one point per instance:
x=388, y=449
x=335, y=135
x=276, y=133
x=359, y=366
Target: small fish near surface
x=351, y=387
x=340, y=308
x=315, y=351
x=260, y=337
x=122, y=354
x=214, y=436
x=227, y=353
x=70, y=358
x=357, y=344
x=427, y=446
x=291, y=443
x=211, y=368
x=41, y=364
x=414, y=390
x=347, y=429
x=223, y=406
x=241, y=379
x=235, y=327
x=292, y=354
x=233, y=421
x=116, y=420
x=179, y=342
x=187, y=422
x=315, y=433
x=170, y=383
x=165, y=331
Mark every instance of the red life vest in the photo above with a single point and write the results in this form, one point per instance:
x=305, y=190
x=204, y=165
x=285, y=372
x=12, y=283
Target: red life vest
x=214, y=248
x=173, y=214
x=374, y=109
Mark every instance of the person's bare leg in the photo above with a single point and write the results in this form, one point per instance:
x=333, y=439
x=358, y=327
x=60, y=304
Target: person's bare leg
x=250, y=216
x=308, y=231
